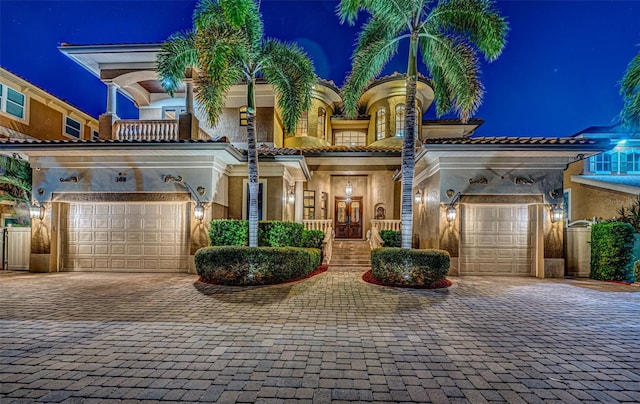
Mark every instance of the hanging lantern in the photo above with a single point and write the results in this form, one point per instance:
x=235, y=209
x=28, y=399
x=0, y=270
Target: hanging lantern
x=349, y=188
x=198, y=211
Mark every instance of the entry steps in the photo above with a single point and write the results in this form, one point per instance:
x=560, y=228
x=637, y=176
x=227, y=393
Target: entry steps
x=350, y=256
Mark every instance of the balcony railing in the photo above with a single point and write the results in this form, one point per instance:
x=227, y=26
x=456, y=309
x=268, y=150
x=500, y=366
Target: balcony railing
x=386, y=225
x=318, y=225
x=146, y=130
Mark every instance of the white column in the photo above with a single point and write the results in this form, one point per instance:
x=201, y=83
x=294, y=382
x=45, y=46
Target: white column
x=299, y=205
x=112, y=90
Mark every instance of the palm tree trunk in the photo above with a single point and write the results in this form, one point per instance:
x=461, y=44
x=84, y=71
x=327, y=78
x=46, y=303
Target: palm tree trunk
x=408, y=147
x=252, y=159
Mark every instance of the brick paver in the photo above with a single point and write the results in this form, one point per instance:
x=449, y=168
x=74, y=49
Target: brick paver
x=166, y=337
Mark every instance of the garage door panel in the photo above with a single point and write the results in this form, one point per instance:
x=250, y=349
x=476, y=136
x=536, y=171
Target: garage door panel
x=126, y=237
x=496, y=240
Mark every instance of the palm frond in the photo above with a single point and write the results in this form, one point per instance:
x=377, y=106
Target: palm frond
x=288, y=68
x=630, y=90
x=476, y=20
x=457, y=69
x=176, y=55
x=212, y=93
x=399, y=12
x=377, y=43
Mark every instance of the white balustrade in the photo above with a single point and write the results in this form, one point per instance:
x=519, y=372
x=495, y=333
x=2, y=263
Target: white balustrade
x=323, y=225
x=385, y=225
x=146, y=130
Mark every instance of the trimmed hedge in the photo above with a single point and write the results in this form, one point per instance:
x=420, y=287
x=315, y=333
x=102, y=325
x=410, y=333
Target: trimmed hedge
x=397, y=266
x=271, y=233
x=636, y=270
x=312, y=239
x=240, y=265
x=612, y=251
x=391, y=238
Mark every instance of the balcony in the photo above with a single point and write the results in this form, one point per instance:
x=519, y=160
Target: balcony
x=145, y=130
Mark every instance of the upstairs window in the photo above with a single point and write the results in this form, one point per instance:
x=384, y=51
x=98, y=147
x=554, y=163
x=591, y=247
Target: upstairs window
x=351, y=138
x=400, y=115
x=381, y=123
x=600, y=164
x=72, y=128
x=302, y=125
x=12, y=102
x=633, y=161
x=95, y=135
x=322, y=118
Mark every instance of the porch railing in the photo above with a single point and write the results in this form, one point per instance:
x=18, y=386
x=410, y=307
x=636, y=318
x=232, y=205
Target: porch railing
x=146, y=129
x=325, y=226
x=375, y=241
x=322, y=225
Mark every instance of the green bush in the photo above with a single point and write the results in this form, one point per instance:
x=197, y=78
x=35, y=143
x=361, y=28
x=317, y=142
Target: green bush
x=229, y=232
x=312, y=238
x=240, y=265
x=611, y=251
x=271, y=233
x=284, y=234
x=391, y=238
x=397, y=266
x=636, y=270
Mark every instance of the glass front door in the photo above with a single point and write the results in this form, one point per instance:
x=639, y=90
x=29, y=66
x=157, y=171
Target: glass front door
x=348, y=217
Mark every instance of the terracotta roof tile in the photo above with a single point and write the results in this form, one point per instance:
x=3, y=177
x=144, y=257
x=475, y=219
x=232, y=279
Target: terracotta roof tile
x=512, y=141
x=103, y=141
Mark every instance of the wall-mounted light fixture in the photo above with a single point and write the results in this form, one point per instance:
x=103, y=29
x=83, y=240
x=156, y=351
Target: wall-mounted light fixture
x=198, y=211
x=451, y=209
x=37, y=211
x=291, y=196
x=417, y=198
x=557, y=214
x=73, y=178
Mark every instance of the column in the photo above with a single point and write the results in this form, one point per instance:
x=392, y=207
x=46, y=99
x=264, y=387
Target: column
x=299, y=204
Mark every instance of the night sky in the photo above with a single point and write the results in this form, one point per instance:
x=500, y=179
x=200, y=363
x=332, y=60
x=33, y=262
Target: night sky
x=558, y=75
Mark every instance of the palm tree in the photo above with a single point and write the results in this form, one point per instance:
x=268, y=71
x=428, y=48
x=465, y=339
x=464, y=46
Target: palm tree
x=15, y=180
x=448, y=35
x=630, y=90
x=227, y=47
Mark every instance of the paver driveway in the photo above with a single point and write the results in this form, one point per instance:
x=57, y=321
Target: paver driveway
x=80, y=337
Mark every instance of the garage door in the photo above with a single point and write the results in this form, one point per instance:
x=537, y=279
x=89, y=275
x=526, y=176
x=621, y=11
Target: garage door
x=496, y=240
x=149, y=237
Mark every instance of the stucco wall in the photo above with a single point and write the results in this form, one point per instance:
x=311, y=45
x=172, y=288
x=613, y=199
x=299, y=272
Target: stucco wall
x=427, y=218
x=389, y=104
x=229, y=125
x=274, y=198
x=588, y=201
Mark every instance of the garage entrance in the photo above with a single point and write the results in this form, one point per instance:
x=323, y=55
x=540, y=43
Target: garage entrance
x=497, y=240
x=126, y=237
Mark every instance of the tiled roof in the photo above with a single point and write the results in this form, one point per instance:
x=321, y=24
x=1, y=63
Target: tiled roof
x=351, y=149
x=103, y=141
x=628, y=180
x=266, y=151
x=69, y=45
x=513, y=141
x=472, y=121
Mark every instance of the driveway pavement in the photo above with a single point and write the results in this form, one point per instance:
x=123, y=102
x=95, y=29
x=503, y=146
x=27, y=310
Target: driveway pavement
x=106, y=337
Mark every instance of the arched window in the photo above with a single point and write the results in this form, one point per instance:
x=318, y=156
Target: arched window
x=381, y=123
x=302, y=125
x=322, y=118
x=400, y=115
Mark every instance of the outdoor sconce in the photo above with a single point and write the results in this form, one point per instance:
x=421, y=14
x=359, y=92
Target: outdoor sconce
x=348, y=189
x=451, y=213
x=291, y=197
x=37, y=212
x=417, y=198
x=557, y=214
x=451, y=209
x=198, y=211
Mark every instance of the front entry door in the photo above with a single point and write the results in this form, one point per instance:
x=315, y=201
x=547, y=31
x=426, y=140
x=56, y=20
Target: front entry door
x=348, y=217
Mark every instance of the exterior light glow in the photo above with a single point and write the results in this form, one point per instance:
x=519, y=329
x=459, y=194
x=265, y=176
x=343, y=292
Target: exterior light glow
x=557, y=214
x=451, y=213
x=348, y=189
x=417, y=197
x=291, y=197
x=198, y=211
x=37, y=212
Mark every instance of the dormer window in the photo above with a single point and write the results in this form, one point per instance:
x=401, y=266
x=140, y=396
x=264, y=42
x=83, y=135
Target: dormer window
x=400, y=116
x=72, y=128
x=381, y=123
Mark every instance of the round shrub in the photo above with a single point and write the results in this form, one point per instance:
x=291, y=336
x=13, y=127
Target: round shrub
x=241, y=265
x=391, y=238
x=397, y=266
